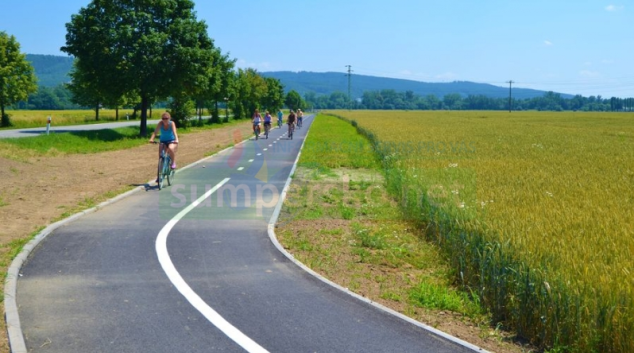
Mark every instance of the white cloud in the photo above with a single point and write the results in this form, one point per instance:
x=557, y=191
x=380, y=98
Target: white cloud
x=587, y=63
x=589, y=74
x=447, y=76
x=613, y=8
x=548, y=43
x=607, y=61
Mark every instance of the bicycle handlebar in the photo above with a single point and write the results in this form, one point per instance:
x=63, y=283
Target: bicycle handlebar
x=155, y=142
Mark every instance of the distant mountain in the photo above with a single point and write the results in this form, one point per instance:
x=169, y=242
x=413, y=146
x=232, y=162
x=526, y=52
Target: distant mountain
x=51, y=70
x=329, y=82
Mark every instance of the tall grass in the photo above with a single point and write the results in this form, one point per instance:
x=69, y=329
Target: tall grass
x=534, y=209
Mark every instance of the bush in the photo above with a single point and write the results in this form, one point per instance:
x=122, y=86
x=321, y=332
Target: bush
x=180, y=109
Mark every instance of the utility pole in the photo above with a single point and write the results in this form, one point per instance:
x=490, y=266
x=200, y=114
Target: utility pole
x=349, y=74
x=510, y=83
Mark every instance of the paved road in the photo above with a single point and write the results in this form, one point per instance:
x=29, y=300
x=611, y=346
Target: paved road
x=151, y=273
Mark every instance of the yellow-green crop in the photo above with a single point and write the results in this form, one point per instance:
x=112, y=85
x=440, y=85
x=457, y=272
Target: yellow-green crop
x=536, y=209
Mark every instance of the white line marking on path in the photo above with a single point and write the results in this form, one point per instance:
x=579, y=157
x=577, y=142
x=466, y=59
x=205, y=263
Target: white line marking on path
x=240, y=168
x=196, y=301
x=264, y=149
x=250, y=160
x=259, y=154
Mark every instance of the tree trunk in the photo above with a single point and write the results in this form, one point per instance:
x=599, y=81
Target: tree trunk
x=144, y=106
x=116, y=113
x=97, y=112
x=3, y=122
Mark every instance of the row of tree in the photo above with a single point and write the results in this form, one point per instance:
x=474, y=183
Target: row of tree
x=391, y=99
x=133, y=53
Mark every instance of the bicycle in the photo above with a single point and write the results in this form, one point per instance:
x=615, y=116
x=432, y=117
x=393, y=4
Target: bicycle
x=279, y=124
x=256, y=131
x=299, y=123
x=267, y=127
x=164, y=170
x=291, y=129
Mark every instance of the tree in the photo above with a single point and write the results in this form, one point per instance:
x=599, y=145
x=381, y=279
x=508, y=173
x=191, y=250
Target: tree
x=17, y=78
x=453, y=101
x=220, y=85
x=293, y=100
x=151, y=48
x=274, y=97
x=249, y=90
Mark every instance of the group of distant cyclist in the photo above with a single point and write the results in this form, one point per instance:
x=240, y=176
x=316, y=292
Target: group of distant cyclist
x=169, y=136
x=293, y=119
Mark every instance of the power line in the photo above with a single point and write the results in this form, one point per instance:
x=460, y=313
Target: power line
x=349, y=74
x=510, y=82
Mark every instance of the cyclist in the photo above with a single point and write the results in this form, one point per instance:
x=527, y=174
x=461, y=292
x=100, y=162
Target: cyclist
x=300, y=117
x=280, y=116
x=256, y=120
x=267, y=121
x=291, y=122
x=169, y=137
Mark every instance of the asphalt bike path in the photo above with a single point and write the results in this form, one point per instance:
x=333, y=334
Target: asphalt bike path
x=191, y=268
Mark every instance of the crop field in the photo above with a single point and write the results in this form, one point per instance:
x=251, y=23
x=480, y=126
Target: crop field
x=38, y=118
x=534, y=209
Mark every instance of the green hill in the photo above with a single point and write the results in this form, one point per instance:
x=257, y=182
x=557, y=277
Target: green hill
x=50, y=70
x=53, y=70
x=328, y=82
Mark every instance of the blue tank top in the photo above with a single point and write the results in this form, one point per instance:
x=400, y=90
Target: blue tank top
x=167, y=135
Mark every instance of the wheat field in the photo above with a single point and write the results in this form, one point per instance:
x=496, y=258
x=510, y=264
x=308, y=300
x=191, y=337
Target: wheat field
x=536, y=210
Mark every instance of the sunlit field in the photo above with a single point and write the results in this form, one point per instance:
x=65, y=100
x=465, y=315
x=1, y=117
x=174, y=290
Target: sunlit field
x=38, y=118
x=535, y=209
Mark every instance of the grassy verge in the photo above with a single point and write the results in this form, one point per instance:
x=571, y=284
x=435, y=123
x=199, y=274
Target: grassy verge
x=339, y=220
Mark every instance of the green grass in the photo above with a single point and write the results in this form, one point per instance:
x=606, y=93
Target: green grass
x=332, y=144
x=443, y=297
x=81, y=142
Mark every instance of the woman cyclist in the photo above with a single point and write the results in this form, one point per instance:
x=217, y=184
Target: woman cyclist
x=267, y=121
x=256, y=120
x=300, y=118
x=169, y=137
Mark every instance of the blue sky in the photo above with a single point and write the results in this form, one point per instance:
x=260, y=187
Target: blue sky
x=570, y=46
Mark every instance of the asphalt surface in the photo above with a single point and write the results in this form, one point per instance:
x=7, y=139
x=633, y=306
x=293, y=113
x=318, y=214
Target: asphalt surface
x=100, y=284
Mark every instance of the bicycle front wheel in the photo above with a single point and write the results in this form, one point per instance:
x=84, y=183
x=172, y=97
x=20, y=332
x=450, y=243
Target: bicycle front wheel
x=169, y=172
x=167, y=169
x=159, y=174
